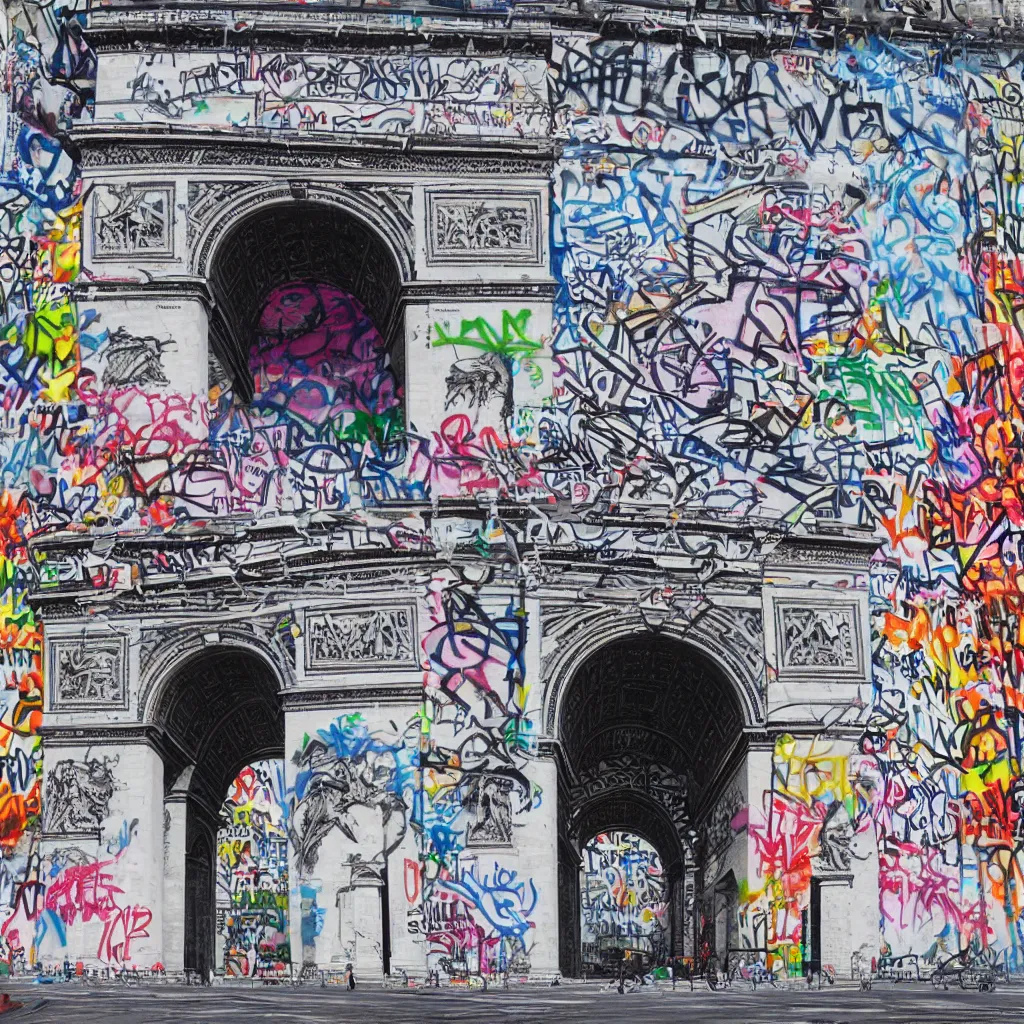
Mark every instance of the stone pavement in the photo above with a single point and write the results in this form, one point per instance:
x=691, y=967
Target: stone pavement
x=173, y=1004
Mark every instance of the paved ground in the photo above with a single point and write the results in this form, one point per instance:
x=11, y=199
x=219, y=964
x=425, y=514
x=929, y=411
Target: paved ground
x=901, y=1004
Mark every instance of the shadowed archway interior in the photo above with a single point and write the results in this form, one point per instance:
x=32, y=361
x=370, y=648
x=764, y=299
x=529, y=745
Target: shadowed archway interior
x=219, y=712
x=298, y=240
x=646, y=727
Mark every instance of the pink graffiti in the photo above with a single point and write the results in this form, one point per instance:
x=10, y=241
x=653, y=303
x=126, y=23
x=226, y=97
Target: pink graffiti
x=916, y=887
x=89, y=890
x=455, y=933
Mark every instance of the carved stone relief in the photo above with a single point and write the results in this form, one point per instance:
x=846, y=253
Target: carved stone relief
x=78, y=795
x=89, y=673
x=819, y=641
x=489, y=805
x=632, y=772
x=465, y=228
x=133, y=220
x=205, y=198
x=363, y=638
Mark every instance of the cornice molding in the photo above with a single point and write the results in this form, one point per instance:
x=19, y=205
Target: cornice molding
x=526, y=26
x=187, y=150
x=309, y=699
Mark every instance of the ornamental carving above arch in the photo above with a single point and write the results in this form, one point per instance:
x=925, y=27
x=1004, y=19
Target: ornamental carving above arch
x=164, y=651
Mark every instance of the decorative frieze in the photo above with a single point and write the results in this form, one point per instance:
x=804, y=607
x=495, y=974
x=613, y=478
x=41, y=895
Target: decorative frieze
x=466, y=228
x=88, y=673
x=370, y=638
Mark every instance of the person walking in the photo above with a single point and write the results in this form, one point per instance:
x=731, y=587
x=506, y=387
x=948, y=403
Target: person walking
x=351, y=977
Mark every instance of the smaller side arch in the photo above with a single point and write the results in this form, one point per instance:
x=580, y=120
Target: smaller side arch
x=631, y=812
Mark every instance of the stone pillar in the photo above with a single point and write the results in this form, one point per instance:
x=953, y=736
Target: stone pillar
x=175, y=819
x=537, y=863
x=103, y=832
x=836, y=906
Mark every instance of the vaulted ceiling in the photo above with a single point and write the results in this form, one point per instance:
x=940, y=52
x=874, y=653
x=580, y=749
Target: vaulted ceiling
x=646, y=725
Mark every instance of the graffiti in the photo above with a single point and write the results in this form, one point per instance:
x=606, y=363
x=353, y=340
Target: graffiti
x=78, y=794
x=342, y=772
x=623, y=897
x=788, y=298
x=312, y=92
x=252, y=873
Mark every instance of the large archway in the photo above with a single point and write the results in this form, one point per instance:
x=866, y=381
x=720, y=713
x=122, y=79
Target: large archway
x=219, y=711
x=297, y=240
x=648, y=726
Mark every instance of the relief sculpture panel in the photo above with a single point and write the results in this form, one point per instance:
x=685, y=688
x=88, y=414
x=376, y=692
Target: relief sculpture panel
x=89, y=673
x=361, y=638
x=469, y=228
x=818, y=642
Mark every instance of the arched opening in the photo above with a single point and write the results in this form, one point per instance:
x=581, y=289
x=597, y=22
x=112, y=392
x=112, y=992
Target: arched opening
x=307, y=369
x=648, y=727
x=218, y=713
x=252, y=875
x=624, y=904
x=298, y=241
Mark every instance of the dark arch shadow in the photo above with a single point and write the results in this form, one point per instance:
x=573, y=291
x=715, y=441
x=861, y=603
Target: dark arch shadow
x=218, y=712
x=648, y=726
x=298, y=240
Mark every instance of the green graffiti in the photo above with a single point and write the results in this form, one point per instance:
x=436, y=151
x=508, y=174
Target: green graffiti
x=512, y=340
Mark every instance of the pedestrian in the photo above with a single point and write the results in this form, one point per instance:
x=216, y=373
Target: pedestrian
x=672, y=973
x=351, y=977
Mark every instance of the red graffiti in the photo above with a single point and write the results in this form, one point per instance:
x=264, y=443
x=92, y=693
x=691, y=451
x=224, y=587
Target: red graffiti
x=412, y=880
x=89, y=890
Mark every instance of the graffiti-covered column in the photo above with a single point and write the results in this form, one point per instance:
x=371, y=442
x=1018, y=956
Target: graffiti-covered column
x=353, y=782
x=103, y=799
x=813, y=864
x=353, y=729
x=102, y=834
x=489, y=832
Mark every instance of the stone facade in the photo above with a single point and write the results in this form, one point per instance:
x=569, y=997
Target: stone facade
x=523, y=426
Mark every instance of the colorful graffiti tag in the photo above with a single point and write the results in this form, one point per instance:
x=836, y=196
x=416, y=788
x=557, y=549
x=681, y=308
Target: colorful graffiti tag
x=252, y=873
x=623, y=899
